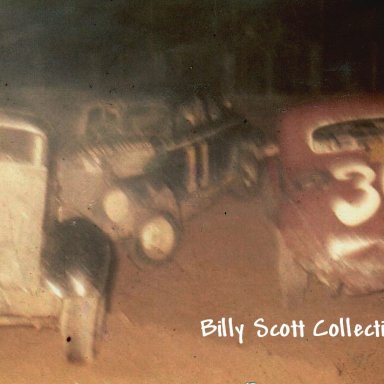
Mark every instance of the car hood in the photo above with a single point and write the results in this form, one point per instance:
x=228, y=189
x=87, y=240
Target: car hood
x=85, y=176
x=121, y=159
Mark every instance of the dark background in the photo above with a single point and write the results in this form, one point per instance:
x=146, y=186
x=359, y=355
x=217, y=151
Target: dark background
x=259, y=46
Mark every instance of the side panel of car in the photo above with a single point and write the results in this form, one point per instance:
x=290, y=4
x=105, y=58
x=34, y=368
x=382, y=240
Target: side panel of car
x=332, y=214
x=136, y=188
x=24, y=178
x=196, y=167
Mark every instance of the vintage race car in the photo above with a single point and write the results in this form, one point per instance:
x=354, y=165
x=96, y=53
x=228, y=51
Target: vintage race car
x=51, y=273
x=141, y=166
x=331, y=214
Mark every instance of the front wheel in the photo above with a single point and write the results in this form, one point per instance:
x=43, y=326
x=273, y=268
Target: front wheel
x=156, y=241
x=82, y=324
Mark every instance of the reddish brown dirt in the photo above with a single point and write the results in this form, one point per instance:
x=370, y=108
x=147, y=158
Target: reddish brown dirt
x=224, y=267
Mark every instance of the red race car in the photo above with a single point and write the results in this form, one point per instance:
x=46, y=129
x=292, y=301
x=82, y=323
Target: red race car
x=331, y=213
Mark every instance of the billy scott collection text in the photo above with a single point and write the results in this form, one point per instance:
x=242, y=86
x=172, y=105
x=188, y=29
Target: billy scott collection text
x=342, y=327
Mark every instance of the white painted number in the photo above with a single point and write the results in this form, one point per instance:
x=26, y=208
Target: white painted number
x=360, y=211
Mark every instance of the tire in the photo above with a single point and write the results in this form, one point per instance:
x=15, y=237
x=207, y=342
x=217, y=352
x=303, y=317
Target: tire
x=155, y=242
x=250, y=175
x=293, y=279
x=82, y=325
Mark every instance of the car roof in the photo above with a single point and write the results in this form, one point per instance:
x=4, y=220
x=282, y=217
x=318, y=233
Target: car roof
x=16, y=121
x=332, y=110
x=62, y=109
x=298, y=123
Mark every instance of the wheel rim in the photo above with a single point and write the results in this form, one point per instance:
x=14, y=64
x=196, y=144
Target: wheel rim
x=158, y=238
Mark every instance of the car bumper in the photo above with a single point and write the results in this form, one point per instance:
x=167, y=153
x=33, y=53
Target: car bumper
x=18, y=304
x=355, y=273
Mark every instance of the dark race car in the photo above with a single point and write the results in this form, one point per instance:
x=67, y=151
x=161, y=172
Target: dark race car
x=141, y=165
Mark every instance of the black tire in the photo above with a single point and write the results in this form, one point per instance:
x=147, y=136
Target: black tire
x=147, y=256
x=82, y=324
x=79, y=248
x=250, y=175
x=293, y=279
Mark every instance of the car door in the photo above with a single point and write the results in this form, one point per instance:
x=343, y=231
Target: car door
x=336, y=204
x=201, y=155
x=222, y=142
x=186, y=163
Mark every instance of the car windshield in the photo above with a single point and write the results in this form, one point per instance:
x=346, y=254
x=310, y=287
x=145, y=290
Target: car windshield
x=349, y=135
x=148, y=121
x=21, y=146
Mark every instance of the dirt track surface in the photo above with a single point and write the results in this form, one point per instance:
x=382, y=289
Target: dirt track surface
x=225, y=267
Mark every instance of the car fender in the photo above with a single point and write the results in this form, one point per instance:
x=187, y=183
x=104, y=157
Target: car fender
x=78, y=257
x=150, y=196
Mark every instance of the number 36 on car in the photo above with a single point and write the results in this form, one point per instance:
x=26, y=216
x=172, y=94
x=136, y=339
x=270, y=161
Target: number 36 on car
x=331, y=175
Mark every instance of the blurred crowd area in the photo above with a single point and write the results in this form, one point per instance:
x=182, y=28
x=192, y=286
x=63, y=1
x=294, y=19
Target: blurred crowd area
x=262, y=47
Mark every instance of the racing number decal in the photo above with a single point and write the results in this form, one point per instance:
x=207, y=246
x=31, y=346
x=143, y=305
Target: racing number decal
x=356, y=213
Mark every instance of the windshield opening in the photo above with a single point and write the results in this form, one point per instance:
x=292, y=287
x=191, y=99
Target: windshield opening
x=106, y=126
x=22, y=147
x=346, y=136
